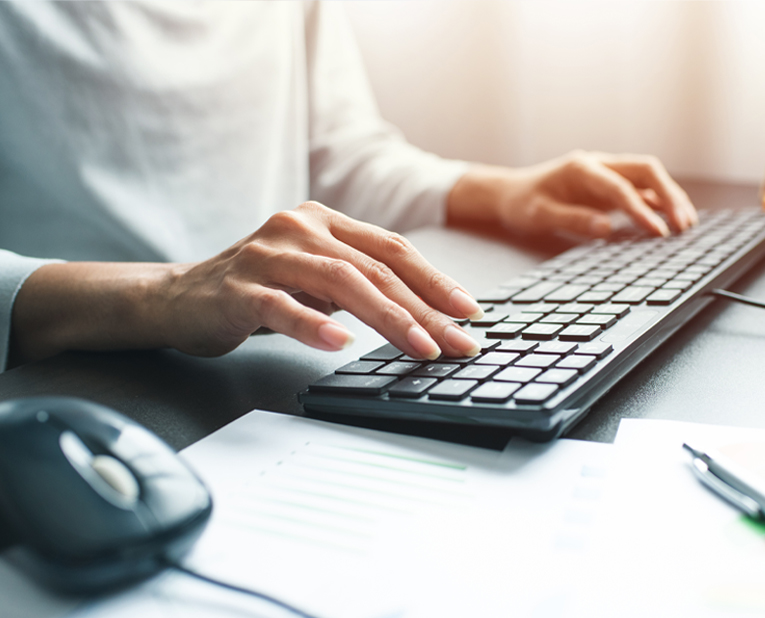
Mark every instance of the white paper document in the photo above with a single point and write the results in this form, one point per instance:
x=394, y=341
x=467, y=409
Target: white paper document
x=667, y=545
x=346, y=522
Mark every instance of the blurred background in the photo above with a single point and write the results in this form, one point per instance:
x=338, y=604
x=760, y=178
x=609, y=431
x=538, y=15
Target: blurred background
x=517, y=82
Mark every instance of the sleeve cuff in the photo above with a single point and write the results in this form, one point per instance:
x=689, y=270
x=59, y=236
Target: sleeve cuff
x=14, y=270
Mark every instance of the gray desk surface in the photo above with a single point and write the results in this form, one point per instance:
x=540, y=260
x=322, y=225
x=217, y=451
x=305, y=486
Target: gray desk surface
x=710, y=371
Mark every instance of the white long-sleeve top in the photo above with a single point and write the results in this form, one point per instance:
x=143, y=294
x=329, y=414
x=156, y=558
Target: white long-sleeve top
x=167, y=131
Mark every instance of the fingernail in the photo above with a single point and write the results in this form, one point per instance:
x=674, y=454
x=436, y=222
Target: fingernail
x=600, y=226
x=458, y=338
x=466, y=304
x=336, y=336
x=419, y=339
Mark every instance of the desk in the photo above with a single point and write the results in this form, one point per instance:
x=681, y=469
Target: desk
x=710, y=371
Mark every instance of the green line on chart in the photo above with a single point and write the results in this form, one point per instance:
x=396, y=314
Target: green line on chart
x=366, y=489
x=384, y=467
x=450, y=492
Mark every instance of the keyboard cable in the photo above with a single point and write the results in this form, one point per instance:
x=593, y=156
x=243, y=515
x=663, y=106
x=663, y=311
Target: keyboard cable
x=738, y=298
x=254, y=593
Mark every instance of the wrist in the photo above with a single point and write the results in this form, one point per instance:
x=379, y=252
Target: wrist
x=91, y=306
x=478, y=196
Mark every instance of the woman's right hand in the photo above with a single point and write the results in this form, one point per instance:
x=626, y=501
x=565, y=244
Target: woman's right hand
x=289, y=276
x=328, y=261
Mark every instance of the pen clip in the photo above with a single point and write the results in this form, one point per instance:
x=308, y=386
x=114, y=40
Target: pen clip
x=722, y=488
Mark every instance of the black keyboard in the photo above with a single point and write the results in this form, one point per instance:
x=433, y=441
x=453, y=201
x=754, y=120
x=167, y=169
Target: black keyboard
x=557, y=338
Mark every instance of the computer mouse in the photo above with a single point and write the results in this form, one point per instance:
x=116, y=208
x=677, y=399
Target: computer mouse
x=93, y=499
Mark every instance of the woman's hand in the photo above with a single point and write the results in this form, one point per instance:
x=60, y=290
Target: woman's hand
x=573, y=193
x=310, y=254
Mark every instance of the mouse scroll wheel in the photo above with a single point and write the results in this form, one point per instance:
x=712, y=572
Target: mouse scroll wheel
x=117, y=476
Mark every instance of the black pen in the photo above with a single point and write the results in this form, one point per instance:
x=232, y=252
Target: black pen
x=729, y=480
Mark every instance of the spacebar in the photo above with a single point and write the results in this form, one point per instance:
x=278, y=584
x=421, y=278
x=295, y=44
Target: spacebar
x=352, y=384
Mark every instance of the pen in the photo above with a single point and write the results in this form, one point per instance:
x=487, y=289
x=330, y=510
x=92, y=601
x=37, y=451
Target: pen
x=730, y=481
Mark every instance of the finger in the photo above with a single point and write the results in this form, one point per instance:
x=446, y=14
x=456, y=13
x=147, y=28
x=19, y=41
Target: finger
x=339, y=282
x=606, y=184
x=452, y=340
x=280, y=312
x=435, y=288
x=314, y=303
x=648, y=172
x=550, y=214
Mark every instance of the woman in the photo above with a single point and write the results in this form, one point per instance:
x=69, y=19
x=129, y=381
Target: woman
x=137, y=139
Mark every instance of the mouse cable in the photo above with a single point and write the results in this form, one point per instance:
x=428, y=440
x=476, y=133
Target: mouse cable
x=254, y=593
x=738, y=298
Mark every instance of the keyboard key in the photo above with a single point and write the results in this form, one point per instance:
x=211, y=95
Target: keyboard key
x=610, y=308
x=525, y=317
x=595, y=297
x=476, y=372
x=437, y=370
x=522, y=347
x=536, y=292
x=535, y=393
x=561, y=377
x=556, y=347
x=386, y=353
x=460, y=360
x=566, y=293
x=677, y=284
x=494, y=392
x=559, y=318
x=580, y=332
x=360, y=367
x=605, y=320
x=397, y=368
x=489, y=319
x=487, y=344
x=349, y=384
x=541, y=332
x=580, y=308
x=505, y=330
x=538, y=360
x=497, y=358
x=541, y=308
x=608, y=287
x=497, y=295
x=411, y=387
x=517, y=374
x=576, y=361
x=632, y=295
x=663, y=297
x=597, y=349
x=650, y=282
x=452, y=390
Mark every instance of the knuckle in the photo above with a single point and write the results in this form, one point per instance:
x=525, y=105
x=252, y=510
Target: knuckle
x=437, y=281
x=339, y=272
x=267, y=302
x=396, y=245
x=390, y=315
x=430, y=319
x=381, y=275
x=312, y=206
x=286, y=221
